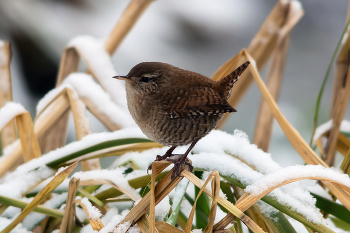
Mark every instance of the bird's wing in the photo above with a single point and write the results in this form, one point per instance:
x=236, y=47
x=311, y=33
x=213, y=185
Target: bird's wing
x=202, y=101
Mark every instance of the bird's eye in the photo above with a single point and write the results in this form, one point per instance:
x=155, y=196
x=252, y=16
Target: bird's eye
x=144, y=79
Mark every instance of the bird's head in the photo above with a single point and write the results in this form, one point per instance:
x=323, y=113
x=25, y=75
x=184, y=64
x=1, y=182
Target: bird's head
x=147, y=77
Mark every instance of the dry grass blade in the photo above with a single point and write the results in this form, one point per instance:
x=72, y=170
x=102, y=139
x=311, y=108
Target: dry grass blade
x=261, y=48
x=226, y=204
x=294, y=137
x=84, y=182
x=345, y=165
x=129, y=17
x=57, y=180
x=69, y=212
x=264, y=122
x=28, y=138
x=161, y=227
x=56, y=133
x=341, y=98
x=8, y=133
x=343, y=143
x=40, y=127
x=117, y=150
x=95, y=223
x=162, y=189
x=82, y=127
x=152, y=208
x=215, y=178
x=263, y=129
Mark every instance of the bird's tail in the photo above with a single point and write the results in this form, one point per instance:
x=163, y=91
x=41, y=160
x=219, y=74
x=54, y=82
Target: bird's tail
x=229, y=80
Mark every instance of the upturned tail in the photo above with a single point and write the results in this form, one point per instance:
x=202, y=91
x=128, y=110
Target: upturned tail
x=224, y=86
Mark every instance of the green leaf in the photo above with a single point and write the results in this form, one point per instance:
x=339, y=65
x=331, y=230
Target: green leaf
x=319, y=97
x=94, y=148
x=203, y=205
x=22, y=204
x=180, y=191
x=332, y=208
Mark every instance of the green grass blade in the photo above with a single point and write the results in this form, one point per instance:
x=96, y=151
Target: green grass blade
x=22, y=204
x=203, y=205
x=180, y=191
x=319, y=97
x=94, y=148
x=332, y=208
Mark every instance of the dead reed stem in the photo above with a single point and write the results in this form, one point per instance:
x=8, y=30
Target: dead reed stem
x=260, y=48
x=341, y=93
x=8, y=133
x=263, y=129
x=128, y=19
x=69, y=212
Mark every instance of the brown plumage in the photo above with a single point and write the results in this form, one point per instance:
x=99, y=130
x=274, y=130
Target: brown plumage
x=176, y=107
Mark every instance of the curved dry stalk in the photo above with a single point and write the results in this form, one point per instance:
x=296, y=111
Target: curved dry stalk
x=293, y=135
x=248, y=200
x=263, y=129
x=215, y=178
x=128, y=19
x=8, y=133
x=84, y=182
x=234, y=211
x=27, y=136
x=276, y=26
x=57, y=180
x=95, y=223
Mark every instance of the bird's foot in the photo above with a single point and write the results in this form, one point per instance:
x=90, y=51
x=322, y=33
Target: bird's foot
x=178, y=163
x=160, y=158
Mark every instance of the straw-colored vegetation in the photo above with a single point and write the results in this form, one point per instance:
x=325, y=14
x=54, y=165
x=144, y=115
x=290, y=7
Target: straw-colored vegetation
x=48, y=132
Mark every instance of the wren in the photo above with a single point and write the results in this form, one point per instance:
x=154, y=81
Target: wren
x=175, y=107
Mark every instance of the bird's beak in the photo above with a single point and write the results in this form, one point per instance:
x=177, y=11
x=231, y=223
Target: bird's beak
x=126, y=78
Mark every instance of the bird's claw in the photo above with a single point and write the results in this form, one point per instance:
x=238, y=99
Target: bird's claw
x=177, y=167
x=159, y=158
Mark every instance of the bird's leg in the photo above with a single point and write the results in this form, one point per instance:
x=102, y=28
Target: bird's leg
x=163, y=157
x=182, y=160
x=166, y=155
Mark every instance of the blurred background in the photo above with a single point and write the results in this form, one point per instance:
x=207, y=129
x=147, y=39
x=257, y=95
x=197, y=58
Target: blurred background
x=198, y=35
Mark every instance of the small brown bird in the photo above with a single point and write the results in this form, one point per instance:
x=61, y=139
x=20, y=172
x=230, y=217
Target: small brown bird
x=176, y=107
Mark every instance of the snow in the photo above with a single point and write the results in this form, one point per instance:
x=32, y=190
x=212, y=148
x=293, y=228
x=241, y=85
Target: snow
x=11, y=148
x=196, y=231
x=134, y=229
x=15, y=186
x=51, y=95
x=109, y=227
x=179, y=192
x=89, y=89
x=87, y=141
x=3, y=57
x=162, y=209
x=296, y=6
x=344, y=127
x=115, y=175
x=267, y=210
x=122, y=228
x=294, y=172
x=63, y=187
x=94, y=54
x=33, y=219
x=92, y=211
x=205, y=176
x=4, y=222
x=9, y=111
